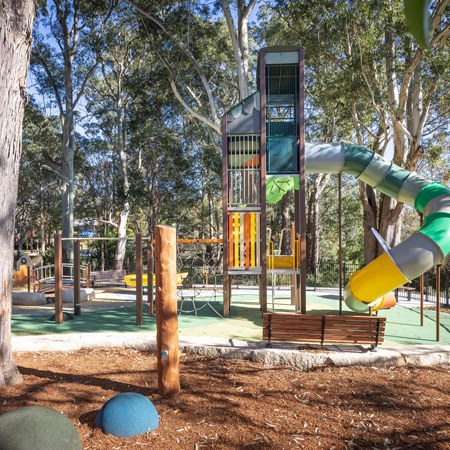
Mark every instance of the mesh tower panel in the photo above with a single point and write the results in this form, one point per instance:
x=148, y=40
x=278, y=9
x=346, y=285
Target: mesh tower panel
x=282, y=118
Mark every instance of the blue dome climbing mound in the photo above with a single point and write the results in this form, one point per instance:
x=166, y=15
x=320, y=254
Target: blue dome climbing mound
x=36, y=427
x=127, y=415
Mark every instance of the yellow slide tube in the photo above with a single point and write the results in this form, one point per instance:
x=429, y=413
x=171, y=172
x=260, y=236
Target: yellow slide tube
x=373, y=281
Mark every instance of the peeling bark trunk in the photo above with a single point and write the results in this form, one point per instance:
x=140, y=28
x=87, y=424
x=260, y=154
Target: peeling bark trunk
x=16, y=25
x=313, y=221
x=122, y=228
x=285, y=223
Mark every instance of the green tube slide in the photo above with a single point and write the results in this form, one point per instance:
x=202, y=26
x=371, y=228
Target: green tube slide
x=420, y=252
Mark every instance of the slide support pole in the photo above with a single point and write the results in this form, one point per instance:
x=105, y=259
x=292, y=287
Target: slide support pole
x=340, y=242
x=438, y=302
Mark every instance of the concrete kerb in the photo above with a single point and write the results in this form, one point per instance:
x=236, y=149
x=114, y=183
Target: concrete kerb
x=282, y=354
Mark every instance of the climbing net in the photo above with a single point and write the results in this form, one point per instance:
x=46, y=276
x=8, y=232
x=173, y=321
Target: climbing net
x=204, y=278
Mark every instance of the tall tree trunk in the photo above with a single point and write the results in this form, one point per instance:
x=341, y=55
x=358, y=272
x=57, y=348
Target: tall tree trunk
x=41, y=192
x=68, y=137
x=285, y=223
x=122, y=228
x=16, y=25
x=313, y=221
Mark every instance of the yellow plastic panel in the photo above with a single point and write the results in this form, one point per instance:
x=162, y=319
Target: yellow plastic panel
x=376, y=279
x=283, y=262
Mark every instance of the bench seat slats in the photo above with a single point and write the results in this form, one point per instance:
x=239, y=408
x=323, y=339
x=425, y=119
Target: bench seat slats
x=327, y=337
x=332, y=327
x=324, y=329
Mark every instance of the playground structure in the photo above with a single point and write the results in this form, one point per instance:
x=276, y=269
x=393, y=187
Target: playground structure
x=264, y=154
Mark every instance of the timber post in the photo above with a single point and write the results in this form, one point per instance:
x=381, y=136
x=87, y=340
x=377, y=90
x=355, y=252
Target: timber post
x=139, y=305
x=166, y=311
x=150, y=309
x=88, y=276
x=58, y=279
x=76, y=279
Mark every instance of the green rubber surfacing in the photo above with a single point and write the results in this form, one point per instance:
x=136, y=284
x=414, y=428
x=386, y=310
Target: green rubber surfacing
x=245, y=322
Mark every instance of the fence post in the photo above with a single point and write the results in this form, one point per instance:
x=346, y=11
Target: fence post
x=426, y=287
x=343, y=275
x=128, y=265
x=166, y=311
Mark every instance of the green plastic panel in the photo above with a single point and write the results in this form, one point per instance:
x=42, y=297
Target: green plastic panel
x=437, y=227
x=276, y=187
x=427, y=193
x=394, y=180
x=356, y=159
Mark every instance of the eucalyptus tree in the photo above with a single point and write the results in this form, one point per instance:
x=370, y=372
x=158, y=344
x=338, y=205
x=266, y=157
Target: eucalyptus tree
x=204, y=61
x=16, y=26
x=361, y=59
x=65, y=55
x=108, y=92
x=37, y=186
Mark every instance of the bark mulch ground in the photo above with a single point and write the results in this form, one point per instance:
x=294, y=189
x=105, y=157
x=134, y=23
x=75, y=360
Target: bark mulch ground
x=234, y=404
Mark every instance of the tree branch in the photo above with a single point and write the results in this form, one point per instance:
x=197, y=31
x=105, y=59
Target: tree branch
x=109, y=222
x=52, y=82
x=192, y=111
x=248, y=10
x=190, y=56
x=437, y=14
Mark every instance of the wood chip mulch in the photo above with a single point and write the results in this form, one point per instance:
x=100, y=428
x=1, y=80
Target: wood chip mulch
x=236, y=404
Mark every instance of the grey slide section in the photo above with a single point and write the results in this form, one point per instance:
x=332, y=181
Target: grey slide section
x=438, y=204
x=415, y=255
x=411, y=187
x=376, y=171
x=324, y=157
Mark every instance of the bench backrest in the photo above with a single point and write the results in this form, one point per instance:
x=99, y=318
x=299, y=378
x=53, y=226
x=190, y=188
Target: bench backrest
x=331, y=329
x=108, y=275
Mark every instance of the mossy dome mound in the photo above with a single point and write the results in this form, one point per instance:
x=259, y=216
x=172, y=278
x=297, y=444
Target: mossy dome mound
x=37, y=427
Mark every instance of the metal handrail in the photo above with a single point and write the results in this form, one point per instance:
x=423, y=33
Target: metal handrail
x=271, y=256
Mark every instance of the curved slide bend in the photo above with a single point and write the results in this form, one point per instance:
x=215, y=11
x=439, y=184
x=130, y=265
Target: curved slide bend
x=415, y=255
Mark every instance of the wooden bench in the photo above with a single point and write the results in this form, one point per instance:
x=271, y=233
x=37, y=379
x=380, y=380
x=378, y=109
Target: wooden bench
x=324, y=329
x=110, y=275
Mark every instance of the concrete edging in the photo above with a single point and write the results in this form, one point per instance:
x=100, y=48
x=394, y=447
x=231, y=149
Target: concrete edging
x=280, y=354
